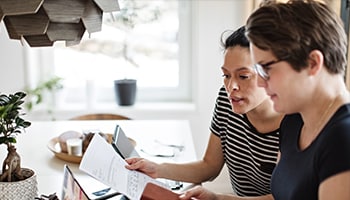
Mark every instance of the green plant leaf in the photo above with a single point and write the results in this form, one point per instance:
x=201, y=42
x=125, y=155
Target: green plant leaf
x=35, y=95
x=11, y=122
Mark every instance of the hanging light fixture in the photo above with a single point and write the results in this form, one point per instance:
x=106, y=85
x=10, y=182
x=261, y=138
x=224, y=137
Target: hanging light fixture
x=42, y=22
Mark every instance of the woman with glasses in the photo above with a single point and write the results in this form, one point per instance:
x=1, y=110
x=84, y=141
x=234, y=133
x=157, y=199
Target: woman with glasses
x=300, y=49
x=244, y=130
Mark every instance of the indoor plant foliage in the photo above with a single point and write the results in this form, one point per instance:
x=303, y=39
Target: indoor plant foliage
x=11, y=124
x=45, y=92
x=36, y=94
x=15, y=182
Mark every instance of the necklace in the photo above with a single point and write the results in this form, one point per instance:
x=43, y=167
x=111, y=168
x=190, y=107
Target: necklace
x=323, y=117
x=318, y=126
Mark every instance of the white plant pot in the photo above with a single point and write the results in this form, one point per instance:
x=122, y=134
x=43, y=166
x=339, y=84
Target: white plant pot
x=20, y=190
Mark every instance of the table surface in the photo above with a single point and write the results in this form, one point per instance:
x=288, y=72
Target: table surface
x=32, y=145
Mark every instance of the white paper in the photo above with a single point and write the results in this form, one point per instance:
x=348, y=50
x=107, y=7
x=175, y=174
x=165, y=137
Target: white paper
x=103, y=163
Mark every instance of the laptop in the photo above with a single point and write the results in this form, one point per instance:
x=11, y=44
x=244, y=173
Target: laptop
x=123, y=146
x=89, y=189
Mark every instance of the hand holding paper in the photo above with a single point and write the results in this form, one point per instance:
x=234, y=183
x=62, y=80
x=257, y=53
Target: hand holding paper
x=104, y=164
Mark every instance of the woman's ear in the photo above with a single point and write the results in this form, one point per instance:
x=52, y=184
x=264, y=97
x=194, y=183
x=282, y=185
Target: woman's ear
x=315, y=62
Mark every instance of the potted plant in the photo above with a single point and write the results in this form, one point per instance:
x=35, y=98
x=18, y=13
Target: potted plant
x=35, y=96
x=15, y=182
x=131, y=14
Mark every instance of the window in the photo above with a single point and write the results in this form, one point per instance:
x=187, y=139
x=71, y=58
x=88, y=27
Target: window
x=159, y=51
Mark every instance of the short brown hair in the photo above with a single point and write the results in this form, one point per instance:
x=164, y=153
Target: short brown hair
x=292, y=30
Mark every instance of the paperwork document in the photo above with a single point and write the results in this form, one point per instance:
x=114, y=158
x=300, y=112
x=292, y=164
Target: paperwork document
x=102, y=162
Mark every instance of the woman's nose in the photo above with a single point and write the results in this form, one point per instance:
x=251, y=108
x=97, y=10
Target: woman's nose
x=233, y=86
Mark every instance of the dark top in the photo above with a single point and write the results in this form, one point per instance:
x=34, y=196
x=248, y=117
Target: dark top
x=299, y=173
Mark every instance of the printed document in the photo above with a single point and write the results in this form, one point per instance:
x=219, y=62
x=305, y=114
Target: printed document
x=102, y=162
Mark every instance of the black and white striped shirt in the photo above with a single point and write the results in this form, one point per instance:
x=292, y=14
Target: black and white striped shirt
x=249, y=155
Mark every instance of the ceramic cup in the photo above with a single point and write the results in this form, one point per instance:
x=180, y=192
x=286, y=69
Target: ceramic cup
x=75, y=146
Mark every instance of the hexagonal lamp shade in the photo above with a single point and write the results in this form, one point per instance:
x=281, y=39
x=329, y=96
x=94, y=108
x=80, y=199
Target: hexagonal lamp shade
x=43, y=22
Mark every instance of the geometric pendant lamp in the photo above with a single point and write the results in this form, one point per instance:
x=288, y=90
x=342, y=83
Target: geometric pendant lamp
x=42, y=22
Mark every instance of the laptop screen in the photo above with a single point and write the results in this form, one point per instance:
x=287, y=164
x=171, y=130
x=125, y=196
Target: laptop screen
x=75, y=190
x=71, y=188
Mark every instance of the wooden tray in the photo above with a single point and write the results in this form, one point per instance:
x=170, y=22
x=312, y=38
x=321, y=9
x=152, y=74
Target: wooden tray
x=54, y=146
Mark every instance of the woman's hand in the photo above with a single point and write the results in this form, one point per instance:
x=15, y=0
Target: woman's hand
x=198, y=192
x=143, y=165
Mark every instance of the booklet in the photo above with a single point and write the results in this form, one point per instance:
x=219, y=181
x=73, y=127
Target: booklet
x=102, y=162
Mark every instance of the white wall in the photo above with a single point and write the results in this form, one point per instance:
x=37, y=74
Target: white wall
x=210, y=19
x=12, y=63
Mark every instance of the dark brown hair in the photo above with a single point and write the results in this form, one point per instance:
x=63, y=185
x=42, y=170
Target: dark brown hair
x=292, y=30
x=236, y=38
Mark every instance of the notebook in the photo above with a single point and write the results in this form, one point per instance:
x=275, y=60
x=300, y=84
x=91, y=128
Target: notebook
x=126, y=149
x=92, y=189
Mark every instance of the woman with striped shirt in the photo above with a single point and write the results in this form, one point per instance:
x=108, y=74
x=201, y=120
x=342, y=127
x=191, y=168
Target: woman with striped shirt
x=244, y=131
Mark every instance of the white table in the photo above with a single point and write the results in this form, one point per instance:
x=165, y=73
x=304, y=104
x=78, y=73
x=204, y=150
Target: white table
x=32, y=145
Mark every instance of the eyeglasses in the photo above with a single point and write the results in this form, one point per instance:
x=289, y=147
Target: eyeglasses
x=261, y=69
